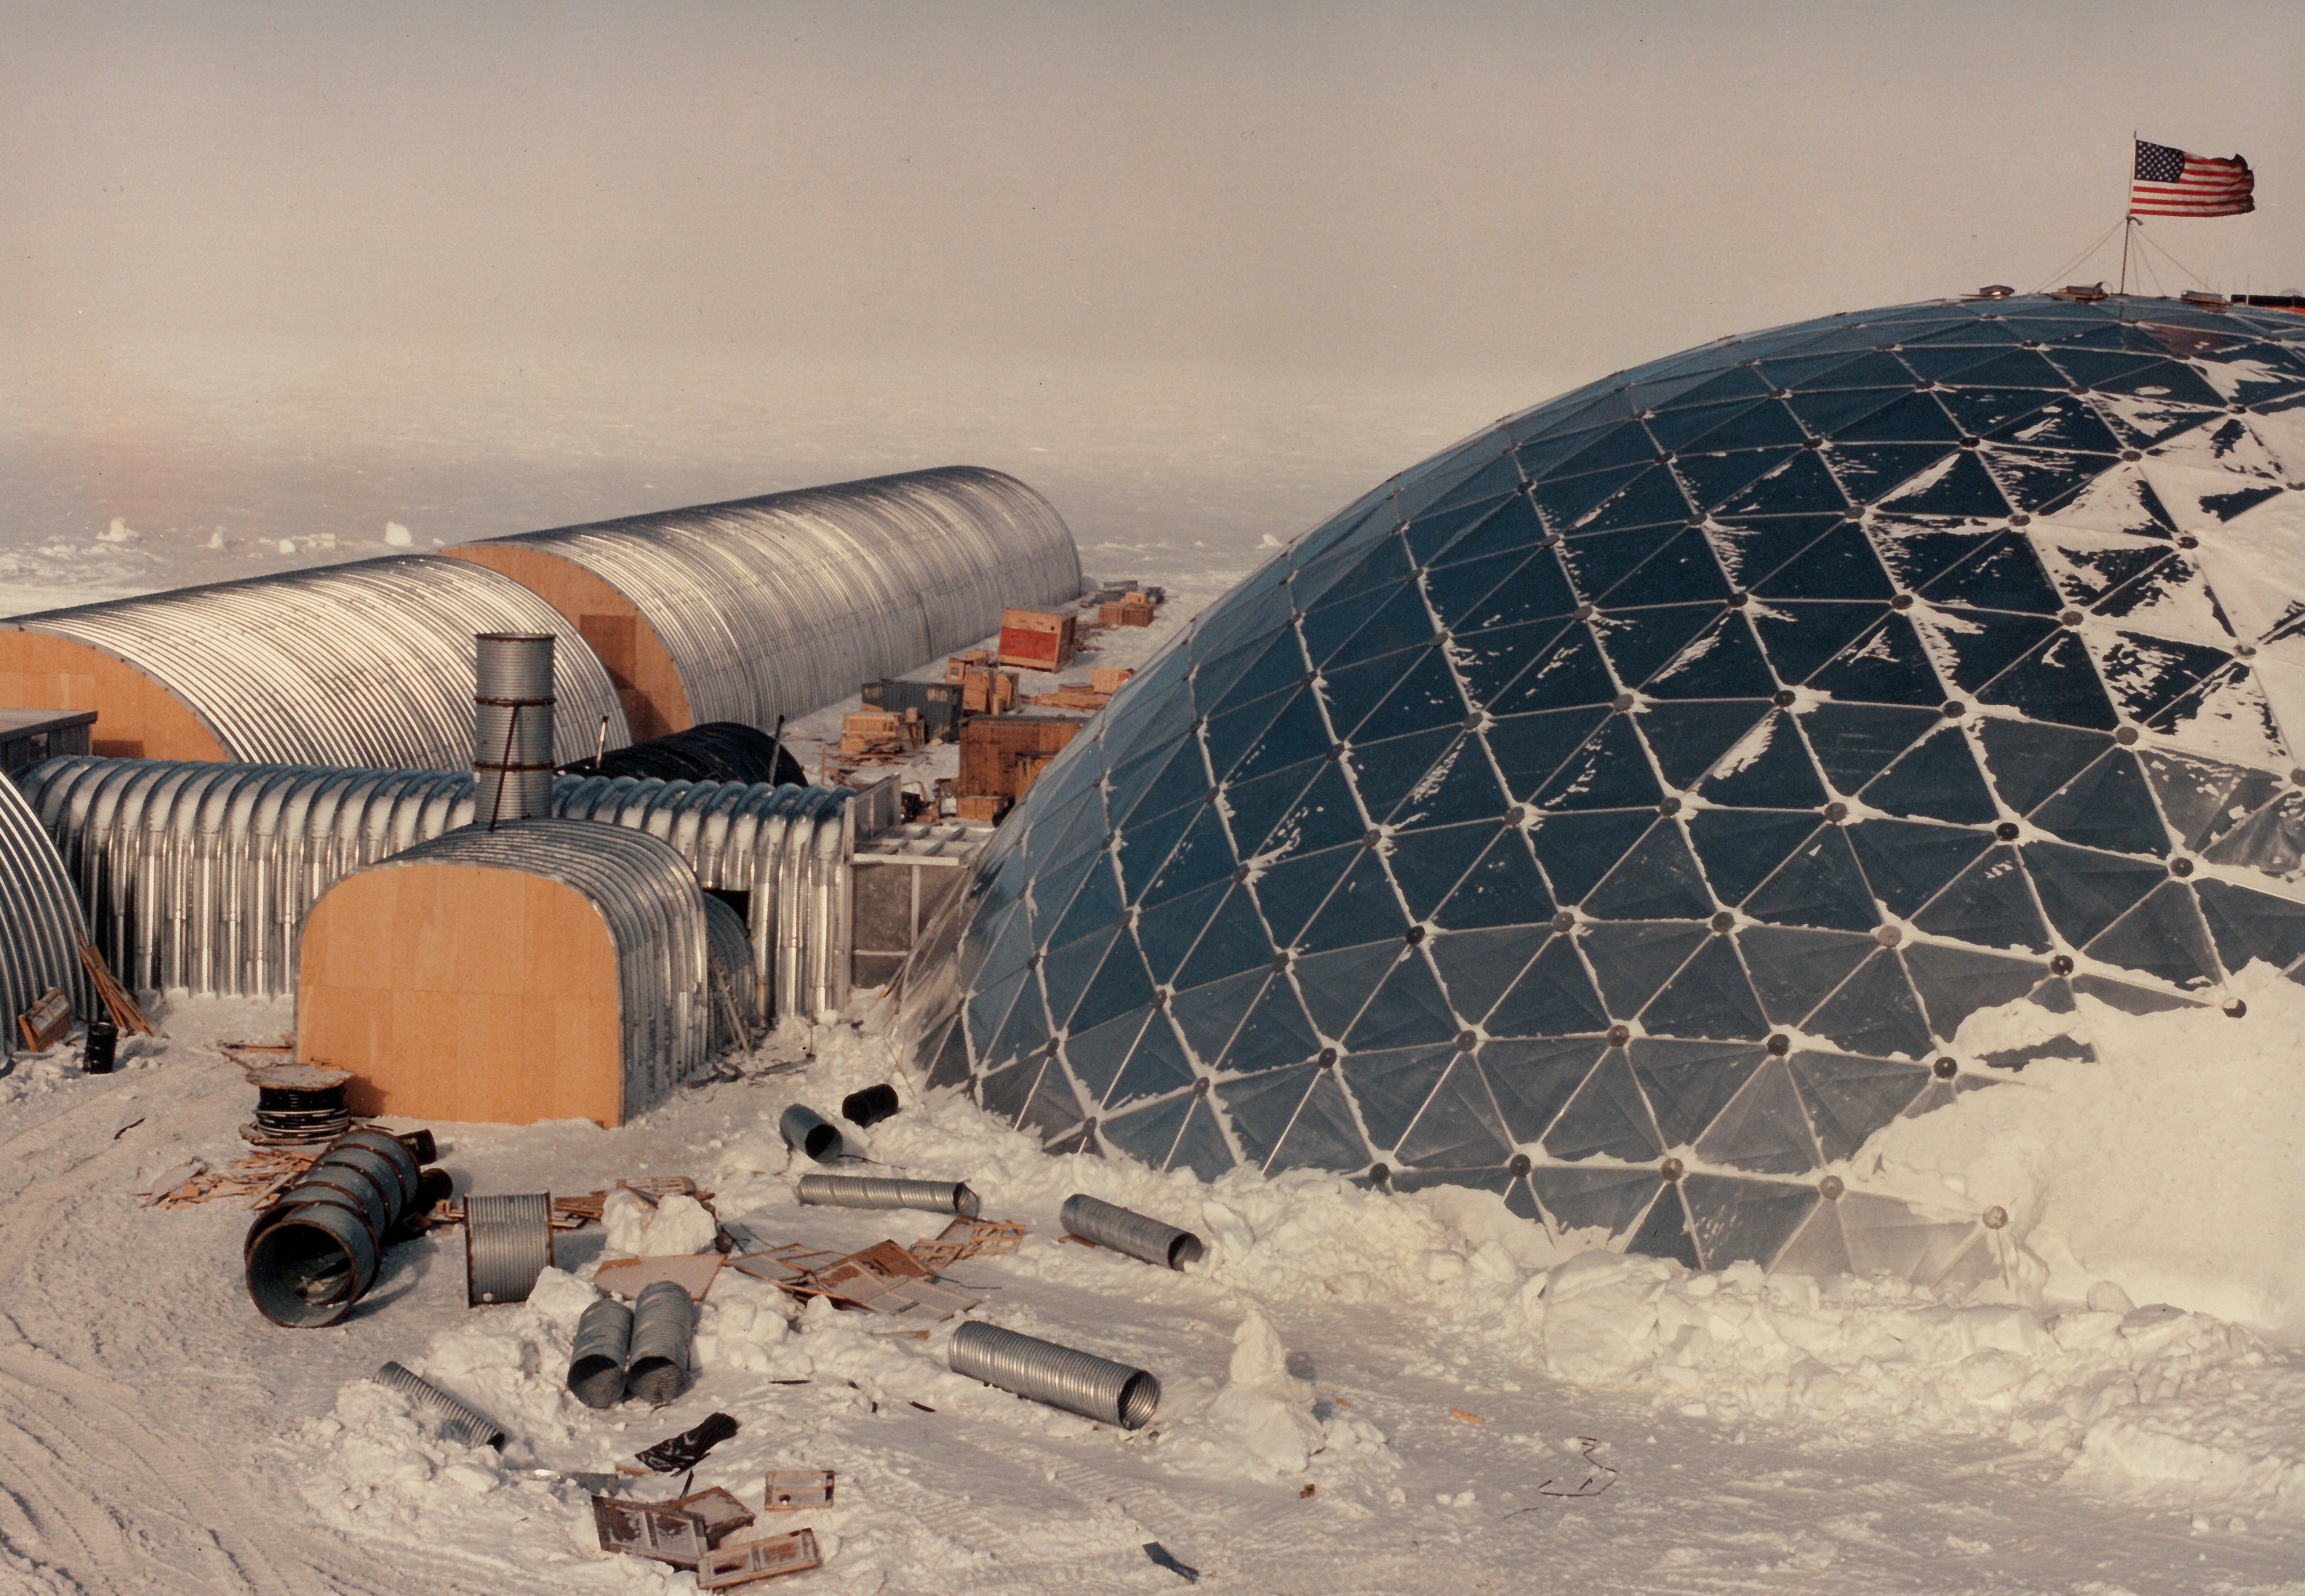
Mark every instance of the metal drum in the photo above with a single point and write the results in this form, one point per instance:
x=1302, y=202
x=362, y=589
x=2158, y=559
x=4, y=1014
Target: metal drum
x=596, y=1363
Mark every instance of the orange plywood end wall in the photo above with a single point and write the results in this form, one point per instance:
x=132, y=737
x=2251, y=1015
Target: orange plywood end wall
x=136, y=717
x=459, y=992
x=637, y=661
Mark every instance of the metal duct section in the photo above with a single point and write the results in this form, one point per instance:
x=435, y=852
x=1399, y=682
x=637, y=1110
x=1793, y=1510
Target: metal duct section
x=645, y=893
x=197, y=876
x=40, y=924
x=369, y=664
x=512, y=726
x=779, y=605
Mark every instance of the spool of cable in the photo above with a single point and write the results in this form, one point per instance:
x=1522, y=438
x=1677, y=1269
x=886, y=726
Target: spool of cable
x=299, y=1105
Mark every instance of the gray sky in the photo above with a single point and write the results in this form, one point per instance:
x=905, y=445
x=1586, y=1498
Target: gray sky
x=1566, y=188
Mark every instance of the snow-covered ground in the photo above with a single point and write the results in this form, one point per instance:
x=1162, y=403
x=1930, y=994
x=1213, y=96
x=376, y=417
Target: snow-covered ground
x=1362, y=1392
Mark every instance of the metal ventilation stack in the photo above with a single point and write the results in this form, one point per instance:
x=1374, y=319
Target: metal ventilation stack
x=512, y=726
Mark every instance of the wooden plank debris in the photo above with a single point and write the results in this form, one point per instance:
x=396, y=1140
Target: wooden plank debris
x=626, y=1277
x=116, y=998
x=969, y=1238
x=880, y=1278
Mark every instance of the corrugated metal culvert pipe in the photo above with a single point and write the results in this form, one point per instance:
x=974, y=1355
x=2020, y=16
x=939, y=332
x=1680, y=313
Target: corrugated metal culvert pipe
x=873, y=1191
x=512, y=727
x=40, y=924
x=199, y=876
x=664, y=1331
x=1125, y=1230
x=314, y=1254
x=1079, y=1382
x=456, y=1417
x=603, y=1345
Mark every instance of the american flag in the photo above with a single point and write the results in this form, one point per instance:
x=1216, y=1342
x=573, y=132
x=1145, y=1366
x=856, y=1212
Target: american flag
x=2170, y=183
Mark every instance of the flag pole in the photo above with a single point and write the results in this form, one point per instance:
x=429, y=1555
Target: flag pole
x=2128, y=217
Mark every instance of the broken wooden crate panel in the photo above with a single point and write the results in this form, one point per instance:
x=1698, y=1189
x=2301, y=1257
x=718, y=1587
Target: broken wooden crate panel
x=749, y=1560
x=43, y=1025
x=792, y=1489
x=1036, y=639
x=718, y=1510
x=662, y=1532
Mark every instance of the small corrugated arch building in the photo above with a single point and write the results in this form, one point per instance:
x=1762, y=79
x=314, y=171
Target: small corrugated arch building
x=365, y=664
x=779, y=605
x=546, y=969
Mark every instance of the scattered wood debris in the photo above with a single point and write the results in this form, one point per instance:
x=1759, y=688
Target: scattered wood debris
x=969, y=1238
x=627, y=1276
x=1458, y=1413
x=883, y=1278
x=573, y=1213
x=259, y=1177
x=792, y=1489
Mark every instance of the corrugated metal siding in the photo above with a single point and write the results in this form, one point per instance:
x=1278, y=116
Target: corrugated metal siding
x=40, y=925
x=647, y=897
x=369, y=664
x=780, y=605
x=199, y=876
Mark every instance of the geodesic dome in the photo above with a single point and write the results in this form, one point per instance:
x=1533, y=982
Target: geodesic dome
x=1623, y=809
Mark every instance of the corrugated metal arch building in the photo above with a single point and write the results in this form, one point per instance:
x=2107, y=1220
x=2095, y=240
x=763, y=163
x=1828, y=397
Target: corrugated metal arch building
x=779, y=605
x=41, y=926
x=368, y=665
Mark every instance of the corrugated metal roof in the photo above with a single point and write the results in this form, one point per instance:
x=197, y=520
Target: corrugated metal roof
x=369, y=664
x=199, y=876
x=40, y=925
x=782, y=604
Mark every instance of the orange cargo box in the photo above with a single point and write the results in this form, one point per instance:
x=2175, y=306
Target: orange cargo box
x=1036, y=641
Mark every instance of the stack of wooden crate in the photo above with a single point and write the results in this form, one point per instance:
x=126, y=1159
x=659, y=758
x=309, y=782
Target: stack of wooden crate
x=1001, y=756
x=986, y=689
x=1135, y=608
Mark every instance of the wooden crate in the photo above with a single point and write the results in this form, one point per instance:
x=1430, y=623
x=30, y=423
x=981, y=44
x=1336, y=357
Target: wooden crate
x=993, y=748
x=1125, y=614
x=1108, y=681
x=1036, y=640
